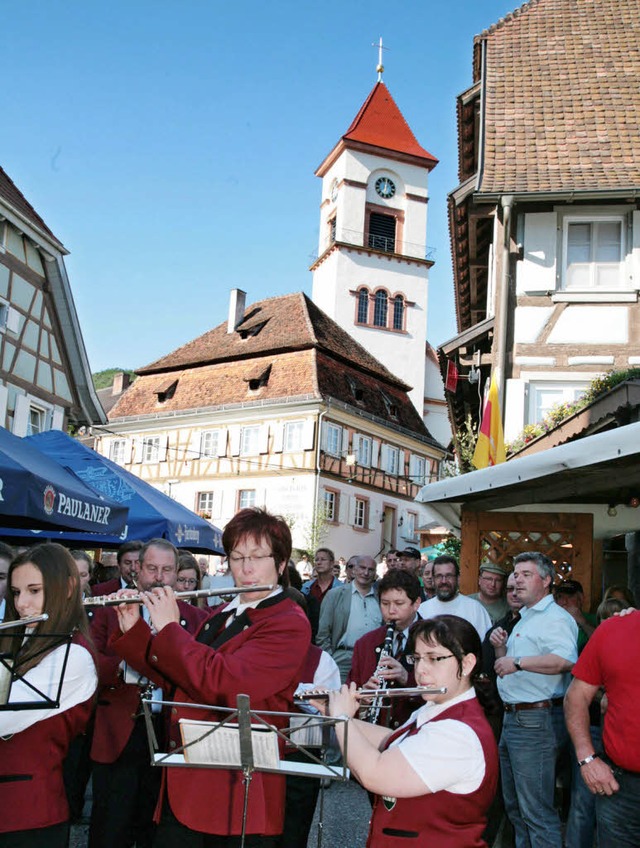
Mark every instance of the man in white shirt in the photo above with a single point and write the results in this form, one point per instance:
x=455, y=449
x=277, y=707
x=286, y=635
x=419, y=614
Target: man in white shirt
x=449, y=601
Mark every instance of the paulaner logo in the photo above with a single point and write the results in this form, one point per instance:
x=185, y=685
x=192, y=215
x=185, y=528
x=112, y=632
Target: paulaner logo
x=75, y=508
x=49, y=499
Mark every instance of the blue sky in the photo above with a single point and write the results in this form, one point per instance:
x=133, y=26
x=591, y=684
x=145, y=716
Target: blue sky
x=171, y=146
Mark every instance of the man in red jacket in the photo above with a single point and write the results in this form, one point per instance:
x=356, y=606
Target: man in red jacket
x=255, y=645
x=400, y=598
x=125, y=785
x=128, y=557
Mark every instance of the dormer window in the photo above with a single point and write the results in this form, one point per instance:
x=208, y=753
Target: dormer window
x=258, y=377
x=253, y=330
x=389, y=405
x=355, y=388
x=167, y=390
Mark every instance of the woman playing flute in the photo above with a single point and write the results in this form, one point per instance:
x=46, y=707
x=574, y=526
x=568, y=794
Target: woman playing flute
x=34, y=742
x=435, y=777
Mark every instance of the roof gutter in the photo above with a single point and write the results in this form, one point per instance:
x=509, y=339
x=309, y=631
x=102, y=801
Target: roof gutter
x=630, y=194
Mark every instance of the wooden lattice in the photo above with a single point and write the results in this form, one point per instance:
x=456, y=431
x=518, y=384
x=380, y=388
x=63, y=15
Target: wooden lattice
x=566, y=538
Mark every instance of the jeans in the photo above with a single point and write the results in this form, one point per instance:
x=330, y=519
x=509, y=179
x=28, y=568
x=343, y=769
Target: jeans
x=581, y=824
x=618, y=815
x=529, y=746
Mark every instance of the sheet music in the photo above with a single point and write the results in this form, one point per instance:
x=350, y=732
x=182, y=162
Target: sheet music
x=204, y=745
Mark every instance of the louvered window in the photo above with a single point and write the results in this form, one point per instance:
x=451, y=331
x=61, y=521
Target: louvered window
x=382, y=232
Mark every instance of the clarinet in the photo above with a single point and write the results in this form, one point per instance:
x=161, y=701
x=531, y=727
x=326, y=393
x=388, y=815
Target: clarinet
x=373, y=712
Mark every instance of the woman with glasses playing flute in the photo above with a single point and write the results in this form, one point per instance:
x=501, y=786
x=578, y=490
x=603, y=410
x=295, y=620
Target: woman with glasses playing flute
x=256, y=645
x=34, y=742
x=435, y=777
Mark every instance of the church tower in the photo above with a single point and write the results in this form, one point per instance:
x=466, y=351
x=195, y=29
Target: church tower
x=371, y=274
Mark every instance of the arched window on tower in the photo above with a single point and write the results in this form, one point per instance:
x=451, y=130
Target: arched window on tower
x=380, y=309
x=398, y=312
x=363, y=306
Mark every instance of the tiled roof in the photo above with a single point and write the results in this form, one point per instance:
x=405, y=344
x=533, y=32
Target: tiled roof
x=292, y=375
x=380, y=123
x=10, y=193
x=287, y=323
x=563, y=97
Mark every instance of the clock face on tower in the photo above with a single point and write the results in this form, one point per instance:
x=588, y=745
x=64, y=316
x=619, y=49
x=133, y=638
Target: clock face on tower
x=334, y=190
x=385, y=187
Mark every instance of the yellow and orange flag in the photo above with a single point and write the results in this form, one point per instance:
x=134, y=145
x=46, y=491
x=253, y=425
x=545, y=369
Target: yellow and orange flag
x=490, y=445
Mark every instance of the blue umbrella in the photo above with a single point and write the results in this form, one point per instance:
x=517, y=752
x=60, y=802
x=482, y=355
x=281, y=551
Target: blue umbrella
x=37, y=492
x=152, y=514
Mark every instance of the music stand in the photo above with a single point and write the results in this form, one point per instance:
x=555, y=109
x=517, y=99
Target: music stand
x=246, y=742
x=10, y=674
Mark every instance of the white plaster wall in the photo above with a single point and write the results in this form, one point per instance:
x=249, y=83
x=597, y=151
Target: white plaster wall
x=529, y=322
x=591, y=325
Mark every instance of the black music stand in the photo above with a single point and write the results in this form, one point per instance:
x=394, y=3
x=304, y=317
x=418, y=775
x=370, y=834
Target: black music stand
x=10, y=673
x=249, y=723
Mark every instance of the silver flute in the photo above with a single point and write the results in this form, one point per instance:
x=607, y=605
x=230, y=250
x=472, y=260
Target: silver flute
x=110, y=601
x=24, y=622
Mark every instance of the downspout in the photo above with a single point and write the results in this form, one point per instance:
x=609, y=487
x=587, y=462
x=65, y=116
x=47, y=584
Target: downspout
x=503, y=299
x=318, y=469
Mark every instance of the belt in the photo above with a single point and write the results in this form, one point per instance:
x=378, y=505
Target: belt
x=533, y=705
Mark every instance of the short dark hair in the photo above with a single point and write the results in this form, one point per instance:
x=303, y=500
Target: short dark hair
x=545, y=566
x=453, y=633
x=399, y=579
x=133, y=545
x=164, y=544
x=447, y=559
x=261, y=524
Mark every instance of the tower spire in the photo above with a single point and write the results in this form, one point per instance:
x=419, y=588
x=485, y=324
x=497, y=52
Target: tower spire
x=380, y=67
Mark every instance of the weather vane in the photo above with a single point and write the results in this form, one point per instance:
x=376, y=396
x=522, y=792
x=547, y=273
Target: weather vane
x=380, y=68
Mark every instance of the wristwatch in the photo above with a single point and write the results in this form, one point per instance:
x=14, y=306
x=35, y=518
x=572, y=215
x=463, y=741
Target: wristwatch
x=517, y=662
x=587, y=760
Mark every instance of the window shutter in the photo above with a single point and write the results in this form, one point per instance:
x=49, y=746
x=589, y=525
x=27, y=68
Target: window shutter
x=634, y=251
x=216, y=508
x=352, y=510
x=375, y=447
x=195, y=447
x=308, y=432
x=261, y=497
x=343, y=508
x=405, y=524
x=234, y=441
x=278, y=438
x=263, y=439
x=222, y=442
x=21, y=416
x=162, y=448
x=57, y=418
x=345, y=440
x=538, y=268
x=128, y=451
x=355, y=444
x=139, y=446
x=323, y=435
x=373, y=519
x=13, y=320
x=4, y=396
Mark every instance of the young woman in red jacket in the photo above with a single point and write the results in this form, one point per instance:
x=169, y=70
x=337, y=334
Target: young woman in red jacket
x=34, y=742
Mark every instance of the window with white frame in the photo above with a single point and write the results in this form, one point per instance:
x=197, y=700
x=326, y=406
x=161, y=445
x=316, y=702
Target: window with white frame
x=37, y=420
x=543, y=396
x=246, y=498
x=151, y=449
x=205, y=504
x=417, y=466
x=209, y=441
x=360, y=513
x=363, y=453
x=594, y=252
x=330, y=505
x=392, y=460
x=293, y=435
x=333, y=439
x=117, y=453
x=250, y=441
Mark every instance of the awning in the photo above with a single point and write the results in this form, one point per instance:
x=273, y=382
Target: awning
x=587, y=475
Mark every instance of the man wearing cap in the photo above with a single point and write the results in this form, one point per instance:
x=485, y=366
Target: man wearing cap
x=449, y=601
x=490, y=594
x=409, y=560
x=570, y=596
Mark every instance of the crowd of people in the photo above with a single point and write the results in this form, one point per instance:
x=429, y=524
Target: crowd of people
x=506, y=694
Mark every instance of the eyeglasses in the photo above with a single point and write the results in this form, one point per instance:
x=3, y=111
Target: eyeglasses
x=236, y=559
x=414, y=659
x=187, y=581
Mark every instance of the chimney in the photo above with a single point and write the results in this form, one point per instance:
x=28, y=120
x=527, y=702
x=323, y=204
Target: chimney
x=121, y=381
x=237, y=300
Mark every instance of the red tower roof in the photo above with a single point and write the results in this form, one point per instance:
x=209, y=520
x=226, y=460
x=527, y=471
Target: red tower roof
x=381, y=124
